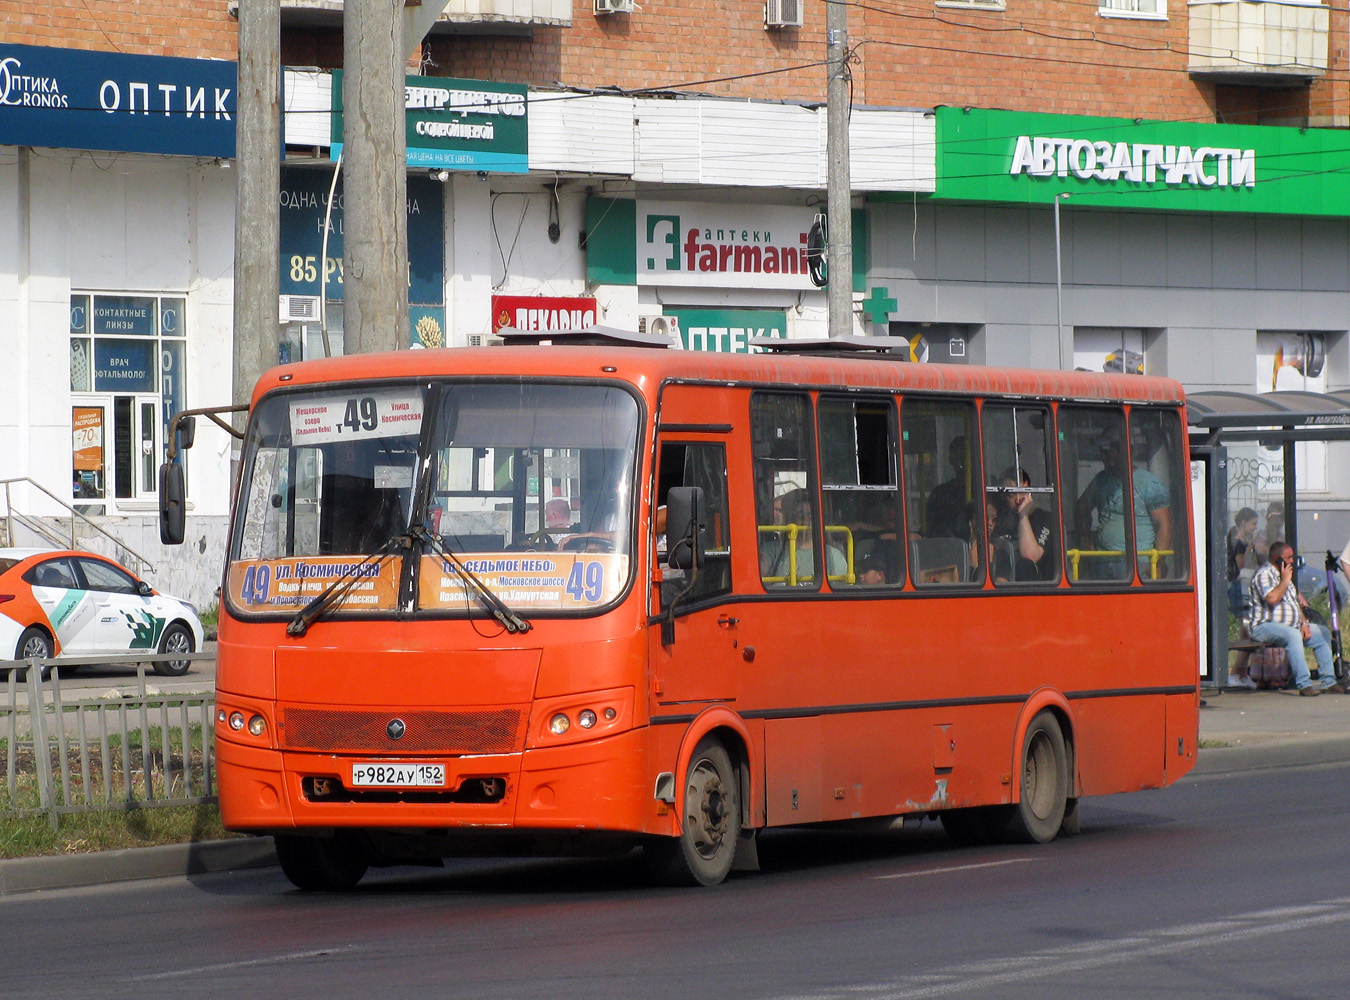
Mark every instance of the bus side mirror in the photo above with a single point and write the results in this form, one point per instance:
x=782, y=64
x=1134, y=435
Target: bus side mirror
x=685, y=522
x=187, y=431
x=172, y=503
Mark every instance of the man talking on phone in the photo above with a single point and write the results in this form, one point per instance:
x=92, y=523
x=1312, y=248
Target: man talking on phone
x=1278, y=617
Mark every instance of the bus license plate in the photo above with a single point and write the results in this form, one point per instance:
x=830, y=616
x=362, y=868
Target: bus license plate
x=399, y=775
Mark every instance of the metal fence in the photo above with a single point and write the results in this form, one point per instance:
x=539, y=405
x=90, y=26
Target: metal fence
x=133, y=746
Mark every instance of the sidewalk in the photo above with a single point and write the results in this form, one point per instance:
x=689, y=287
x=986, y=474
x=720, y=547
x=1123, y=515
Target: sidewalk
x=1239, y=731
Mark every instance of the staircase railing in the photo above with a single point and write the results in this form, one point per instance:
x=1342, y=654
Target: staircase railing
x=11, y=516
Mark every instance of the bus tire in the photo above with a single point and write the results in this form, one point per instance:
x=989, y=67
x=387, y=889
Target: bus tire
x=703, y=852
x=320, y=864
x=1039, y=812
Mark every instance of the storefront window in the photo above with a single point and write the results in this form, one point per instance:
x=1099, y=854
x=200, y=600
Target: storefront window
x=127, y=379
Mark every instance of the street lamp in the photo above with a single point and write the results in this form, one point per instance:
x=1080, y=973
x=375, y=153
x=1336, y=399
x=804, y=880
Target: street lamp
x=1059, y=291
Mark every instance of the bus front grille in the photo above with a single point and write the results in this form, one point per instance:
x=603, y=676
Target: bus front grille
x=493, y=731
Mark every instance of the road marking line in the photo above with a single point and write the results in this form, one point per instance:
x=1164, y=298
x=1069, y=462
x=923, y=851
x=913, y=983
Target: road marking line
x=971, y=977
x=246, y=963
x=958, y=868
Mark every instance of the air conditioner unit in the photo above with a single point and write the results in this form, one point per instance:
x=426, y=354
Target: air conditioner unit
x=782, y=13
x=476, y=340
x=660, y=326
x=614, y=6
x=299, y=309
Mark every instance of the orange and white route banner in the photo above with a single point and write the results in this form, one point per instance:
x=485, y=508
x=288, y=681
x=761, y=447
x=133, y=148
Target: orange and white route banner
x=292, y=583
x=526, y=581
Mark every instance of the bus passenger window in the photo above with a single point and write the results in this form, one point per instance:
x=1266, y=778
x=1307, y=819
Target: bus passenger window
x=1020, y=494
x=860, y=490
x=1093, y=469
x=780, y=429
x=704, y=466
x=942, y=496
x=1158, y=457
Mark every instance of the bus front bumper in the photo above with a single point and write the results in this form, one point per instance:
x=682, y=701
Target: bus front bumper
x=596, y=785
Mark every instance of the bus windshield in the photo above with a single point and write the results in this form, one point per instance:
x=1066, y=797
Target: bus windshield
x=528, y=484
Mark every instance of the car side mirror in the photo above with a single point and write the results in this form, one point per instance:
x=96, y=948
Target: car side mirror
x=144, y=589
x=172, y=504
x=187, y=431
x=685, y=521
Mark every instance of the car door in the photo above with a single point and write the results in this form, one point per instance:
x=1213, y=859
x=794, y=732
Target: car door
x=125, y=618
x=71, y=614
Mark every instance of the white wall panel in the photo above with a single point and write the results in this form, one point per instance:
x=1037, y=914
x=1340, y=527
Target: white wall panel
x=587, y=134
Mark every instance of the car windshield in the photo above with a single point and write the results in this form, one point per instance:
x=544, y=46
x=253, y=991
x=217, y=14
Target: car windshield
x=528, y=484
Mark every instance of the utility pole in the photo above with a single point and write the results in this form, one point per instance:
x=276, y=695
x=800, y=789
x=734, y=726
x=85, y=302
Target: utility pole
x=838, y=191
x=257, y=211
x=375, y=200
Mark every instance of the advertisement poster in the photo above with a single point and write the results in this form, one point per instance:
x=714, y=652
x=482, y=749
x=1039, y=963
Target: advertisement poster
x=88, y=438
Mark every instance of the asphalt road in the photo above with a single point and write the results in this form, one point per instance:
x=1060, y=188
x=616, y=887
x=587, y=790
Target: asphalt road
x=1228, y=885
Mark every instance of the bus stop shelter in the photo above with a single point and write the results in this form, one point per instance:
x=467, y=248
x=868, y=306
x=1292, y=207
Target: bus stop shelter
x=1275, y=420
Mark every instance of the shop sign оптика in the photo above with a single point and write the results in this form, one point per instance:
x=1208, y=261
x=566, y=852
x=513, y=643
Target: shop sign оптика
x=1013, y=157
x=77, y=99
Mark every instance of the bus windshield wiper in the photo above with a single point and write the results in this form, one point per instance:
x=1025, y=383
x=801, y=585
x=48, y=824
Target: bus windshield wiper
x=331, y=595
x=510, y=621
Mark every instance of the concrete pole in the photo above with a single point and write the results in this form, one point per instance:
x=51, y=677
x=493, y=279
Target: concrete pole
x=257, y=211
x=375, y=189
x=838, y=196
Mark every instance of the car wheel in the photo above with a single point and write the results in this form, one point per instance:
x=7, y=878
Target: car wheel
x=34, y=644
x=177, y=638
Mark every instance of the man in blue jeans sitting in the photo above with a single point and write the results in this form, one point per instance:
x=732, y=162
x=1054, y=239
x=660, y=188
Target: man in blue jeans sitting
x=1277, y=616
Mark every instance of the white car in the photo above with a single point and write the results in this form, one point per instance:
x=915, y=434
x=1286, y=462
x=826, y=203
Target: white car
x=67, y=604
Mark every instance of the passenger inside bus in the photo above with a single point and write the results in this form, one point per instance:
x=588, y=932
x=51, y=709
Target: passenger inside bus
x=792, y=521
x=1024, y=531
x=993, y=555
x=1105, y=498
x=945, y=509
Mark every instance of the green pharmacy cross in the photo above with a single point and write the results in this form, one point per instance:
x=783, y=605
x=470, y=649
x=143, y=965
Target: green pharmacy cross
x=879, y=306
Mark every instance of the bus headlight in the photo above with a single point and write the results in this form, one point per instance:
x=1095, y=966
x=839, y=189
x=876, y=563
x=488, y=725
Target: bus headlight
x=257, y=725
x=236, y=721
x=586, y=719
x=559, y=724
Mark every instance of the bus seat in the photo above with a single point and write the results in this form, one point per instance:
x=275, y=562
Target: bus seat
x=940, y=560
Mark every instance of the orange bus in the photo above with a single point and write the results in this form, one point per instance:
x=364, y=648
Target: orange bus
x=566, y=599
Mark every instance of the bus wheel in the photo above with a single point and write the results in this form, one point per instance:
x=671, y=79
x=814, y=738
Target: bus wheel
x=317, y=864
x=1039, y=815
x=703, y=852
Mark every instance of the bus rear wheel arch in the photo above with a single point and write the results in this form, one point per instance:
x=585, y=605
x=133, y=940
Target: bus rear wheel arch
x=710, y=824
x=1045, y=808
x=1044, y=784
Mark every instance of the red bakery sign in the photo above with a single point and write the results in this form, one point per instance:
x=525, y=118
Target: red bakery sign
x=537, y=312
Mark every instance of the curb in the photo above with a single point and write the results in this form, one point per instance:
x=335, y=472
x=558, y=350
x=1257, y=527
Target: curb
x=1265, y=756
x=66, y=871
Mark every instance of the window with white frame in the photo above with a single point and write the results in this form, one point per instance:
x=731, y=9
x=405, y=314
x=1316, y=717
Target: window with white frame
x=1132, y=8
